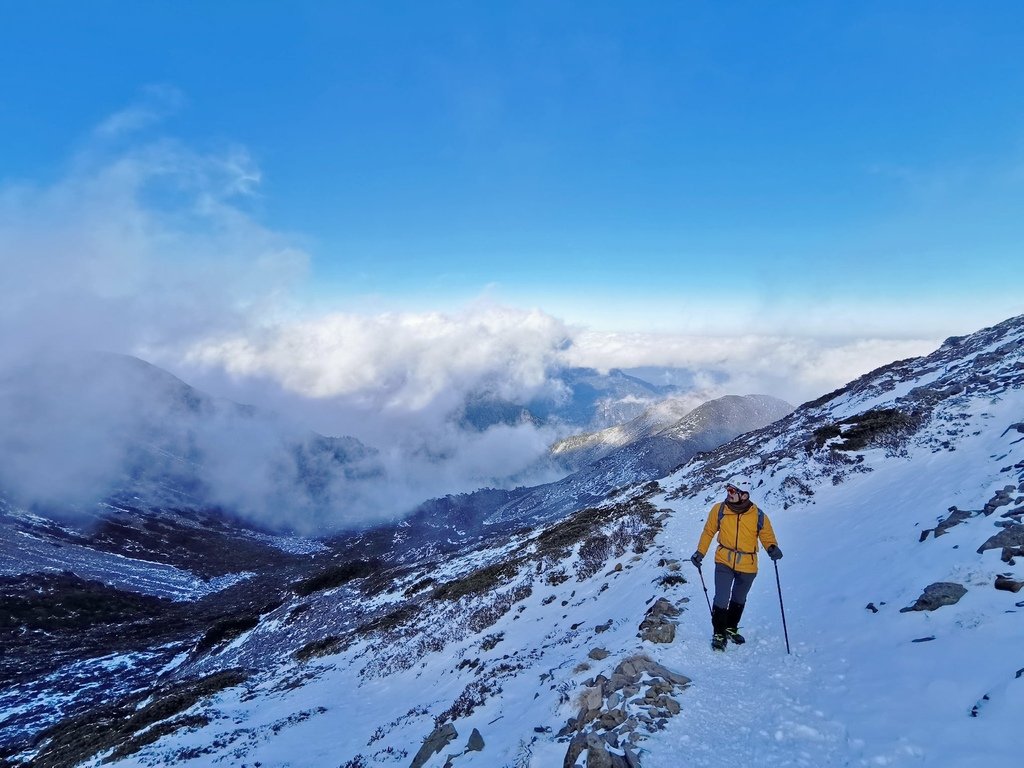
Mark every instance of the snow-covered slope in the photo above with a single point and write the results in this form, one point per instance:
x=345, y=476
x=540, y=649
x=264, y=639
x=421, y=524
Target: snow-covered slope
x=576, y=451
x=585, y=639
x=645, y=458
x=669, y=417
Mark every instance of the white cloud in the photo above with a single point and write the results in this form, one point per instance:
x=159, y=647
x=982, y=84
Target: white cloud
x=147, y=247
x=150, y=250
x=404, y=361
x=156, y=104
x=793, y=368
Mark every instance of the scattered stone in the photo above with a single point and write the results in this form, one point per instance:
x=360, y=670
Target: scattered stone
x=871, y=607
x=603, y=627
x=923, y=639
x=656, y=626
x=598, y=654
x=610, y=718
x=1007, y=584
x=937, y=595
x=977, y=707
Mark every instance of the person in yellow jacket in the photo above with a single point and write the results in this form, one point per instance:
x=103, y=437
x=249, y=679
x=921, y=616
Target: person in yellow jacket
x=739, y=525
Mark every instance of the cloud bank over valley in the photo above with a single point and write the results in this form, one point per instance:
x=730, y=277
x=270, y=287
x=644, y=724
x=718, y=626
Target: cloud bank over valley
x=150, y=248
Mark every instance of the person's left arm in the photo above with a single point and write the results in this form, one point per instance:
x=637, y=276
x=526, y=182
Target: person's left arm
x=768, y=540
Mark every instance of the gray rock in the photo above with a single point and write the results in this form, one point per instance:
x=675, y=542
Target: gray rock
x=599, y=654
x=1008, y=537
x=1001, y=499
x=1007, y=584
x=434, y=743
x=476, y=742
x=956, y=516
x=612, y=718
x=663, y=632
x=662, y=607
x=591, y=698
x=937, y=595
x=673, y=677
x=669, y=704
x=597, y=753
x=1011, y=552
x=656, y=627
x=576, y=747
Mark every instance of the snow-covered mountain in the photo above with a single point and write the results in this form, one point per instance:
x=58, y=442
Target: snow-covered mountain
x=674, y=417
x=583, y=639
x=582, y=398
x=99, y=426
x=646, y=458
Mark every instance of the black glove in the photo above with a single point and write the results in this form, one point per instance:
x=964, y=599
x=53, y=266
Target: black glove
x=697, y=558
x=774, y=552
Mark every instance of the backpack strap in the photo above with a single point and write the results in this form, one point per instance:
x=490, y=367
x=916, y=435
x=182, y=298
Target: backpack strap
x=760, y=517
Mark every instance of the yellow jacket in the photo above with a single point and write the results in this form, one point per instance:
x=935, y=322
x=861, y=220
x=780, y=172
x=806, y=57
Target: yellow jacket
x=737, y=536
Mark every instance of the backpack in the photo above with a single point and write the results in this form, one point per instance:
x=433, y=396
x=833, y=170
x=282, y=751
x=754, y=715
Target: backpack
x=721, y=514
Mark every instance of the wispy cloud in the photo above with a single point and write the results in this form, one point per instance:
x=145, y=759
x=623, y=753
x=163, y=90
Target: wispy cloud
x=157, y=103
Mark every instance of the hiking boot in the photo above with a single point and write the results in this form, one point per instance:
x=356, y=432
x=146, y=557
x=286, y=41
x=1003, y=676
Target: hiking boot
x=732, y=622
x=718, y=642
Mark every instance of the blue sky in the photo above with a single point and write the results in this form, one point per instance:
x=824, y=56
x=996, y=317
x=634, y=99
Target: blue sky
x=682, y=169
x=422, y=152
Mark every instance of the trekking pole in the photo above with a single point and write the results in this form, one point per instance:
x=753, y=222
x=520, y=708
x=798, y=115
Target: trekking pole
x=781, y=606
x=705, y=590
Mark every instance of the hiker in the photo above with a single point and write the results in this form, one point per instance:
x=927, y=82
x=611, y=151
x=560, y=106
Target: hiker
x=739, y=524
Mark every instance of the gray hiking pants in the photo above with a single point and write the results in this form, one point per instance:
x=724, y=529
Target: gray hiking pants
x=731, y=586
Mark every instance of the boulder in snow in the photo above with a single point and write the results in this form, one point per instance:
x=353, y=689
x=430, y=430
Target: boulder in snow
x=937, y=595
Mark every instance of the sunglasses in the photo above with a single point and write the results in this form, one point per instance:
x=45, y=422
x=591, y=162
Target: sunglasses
x=734, y=489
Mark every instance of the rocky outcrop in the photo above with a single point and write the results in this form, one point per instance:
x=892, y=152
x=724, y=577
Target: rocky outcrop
x=1013, y=536
x=434, y=743
x=616, y=711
